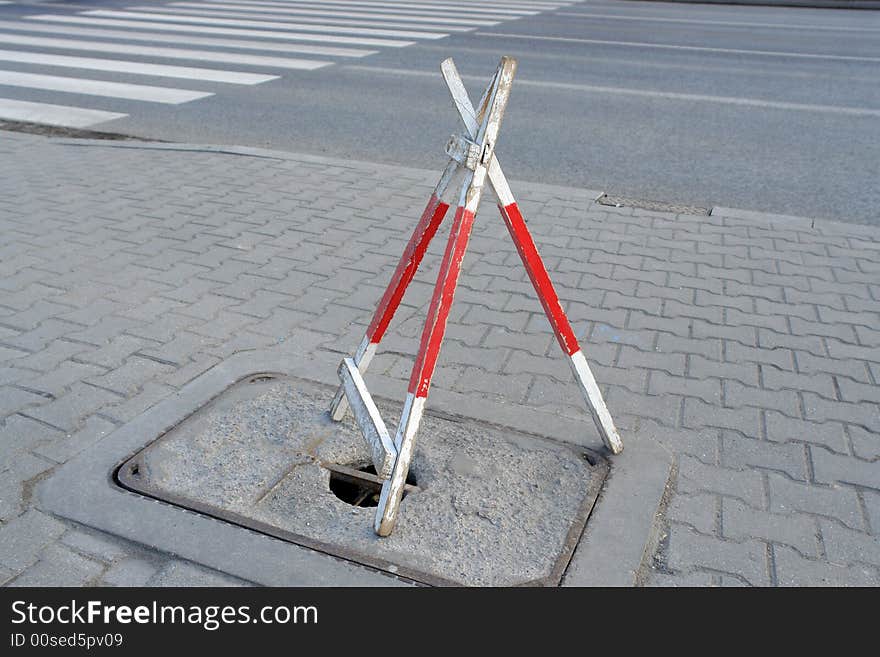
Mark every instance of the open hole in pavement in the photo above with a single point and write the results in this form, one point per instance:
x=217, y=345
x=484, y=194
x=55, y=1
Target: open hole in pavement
x=348, y=486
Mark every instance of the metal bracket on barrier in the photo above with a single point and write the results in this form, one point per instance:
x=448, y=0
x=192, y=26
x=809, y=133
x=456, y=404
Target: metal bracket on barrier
x=474, y=152
x=464, y=151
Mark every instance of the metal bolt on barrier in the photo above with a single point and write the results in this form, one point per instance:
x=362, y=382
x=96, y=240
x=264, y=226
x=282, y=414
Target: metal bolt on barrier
x=474, y=153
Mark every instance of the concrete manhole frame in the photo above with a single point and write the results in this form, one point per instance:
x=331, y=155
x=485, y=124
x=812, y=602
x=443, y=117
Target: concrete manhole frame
x=613, y=550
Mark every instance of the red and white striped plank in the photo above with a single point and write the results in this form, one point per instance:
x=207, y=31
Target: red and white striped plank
x=538, y=272
x=441, y=301
x=534, y=265
x=409, y=263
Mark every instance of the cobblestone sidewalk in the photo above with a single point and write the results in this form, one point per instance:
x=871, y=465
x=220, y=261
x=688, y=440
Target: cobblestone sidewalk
x=752, y=341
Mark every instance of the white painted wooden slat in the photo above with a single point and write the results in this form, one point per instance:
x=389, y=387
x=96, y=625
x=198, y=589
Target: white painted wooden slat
x=368, y=418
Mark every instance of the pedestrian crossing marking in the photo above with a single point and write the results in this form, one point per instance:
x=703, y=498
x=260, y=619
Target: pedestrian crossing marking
x=59, y=115
x=276, y=25
x=399, y=18
x=142, y=92
x=135, y=68
x=210, y=29
x=303, y=35
x=167, y=53
x=158, y=37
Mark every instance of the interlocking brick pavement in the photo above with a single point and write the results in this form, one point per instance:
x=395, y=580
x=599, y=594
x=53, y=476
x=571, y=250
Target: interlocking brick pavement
x=753, y=341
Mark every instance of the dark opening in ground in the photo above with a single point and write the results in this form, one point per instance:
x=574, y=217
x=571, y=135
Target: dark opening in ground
x=357, y=490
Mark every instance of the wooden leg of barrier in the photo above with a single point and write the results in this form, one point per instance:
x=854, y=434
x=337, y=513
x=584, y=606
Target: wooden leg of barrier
x=534, y=265
x=492, y=108
x=409, y=263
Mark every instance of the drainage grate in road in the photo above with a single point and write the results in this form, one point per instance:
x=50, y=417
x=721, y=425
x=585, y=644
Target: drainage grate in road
x=655, y=206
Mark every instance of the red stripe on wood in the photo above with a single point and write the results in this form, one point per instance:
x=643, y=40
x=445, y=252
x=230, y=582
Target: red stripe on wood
x=540, y=278
x=441, y=303
x=409, y=263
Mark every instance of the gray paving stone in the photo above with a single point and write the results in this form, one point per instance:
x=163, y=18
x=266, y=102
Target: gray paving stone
x=831, y=468
x=845, y=546
x=182, y=573
x=62, y=446
x=866, y=444
x=834, y=364
x=794, y=570
x=741, y=522
x=685, y=580
x=836, y=502
x=53, y=355
x=822, y=384
x=19, y=434
x=784, y=401
x=702, y=368
x=872, y=507
x=13, y=399
x=747, y=560
x=671, y=363
x=129, y=572
x=700, y=511
x=865, y=414
x=22, y=538
x=698, y=414
x=665, y=409
x=96, y=545
x=709, y=390
x=781, y=429
x=129, y=377
x=740, y=453
x=710, y=337
x=69, y=411
x=695, y=476
x=60, y=566
x=15, y=475
x=61, y=378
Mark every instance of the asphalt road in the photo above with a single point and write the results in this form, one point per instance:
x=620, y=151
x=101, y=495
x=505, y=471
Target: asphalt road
x=772, y=109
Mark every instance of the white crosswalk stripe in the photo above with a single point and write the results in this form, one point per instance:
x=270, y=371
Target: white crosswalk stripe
x=204, y=19
x=135, y=68
x=167, y=53
x=143, y=92
x=158, y=37
x=61, y=115
x=450, y=5
x=208, y=29
x=299, y=13
x=307, y=21
x=269, y=36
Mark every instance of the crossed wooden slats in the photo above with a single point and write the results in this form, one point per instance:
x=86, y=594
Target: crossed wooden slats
x=474, y=153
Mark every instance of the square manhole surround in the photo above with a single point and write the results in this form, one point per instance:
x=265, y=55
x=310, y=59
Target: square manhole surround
x=129, y=475
x=613, y=550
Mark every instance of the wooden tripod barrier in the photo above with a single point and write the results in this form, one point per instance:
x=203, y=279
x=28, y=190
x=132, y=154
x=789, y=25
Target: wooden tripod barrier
x=474, y=153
